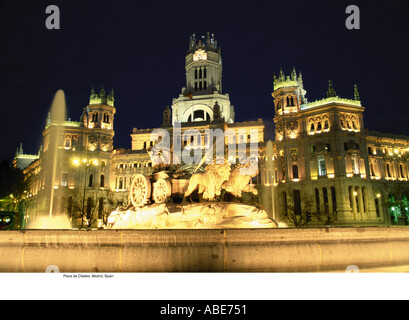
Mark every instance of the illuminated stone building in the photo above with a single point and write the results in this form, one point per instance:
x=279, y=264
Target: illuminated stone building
x=327, y=164
x=323, y=164
x=201, y=106
x=83, y=174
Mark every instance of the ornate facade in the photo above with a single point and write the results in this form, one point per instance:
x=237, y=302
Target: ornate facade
x=327, y=165
x=324, y=167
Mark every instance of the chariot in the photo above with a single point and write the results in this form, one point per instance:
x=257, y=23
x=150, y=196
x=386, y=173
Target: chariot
x=160, y=186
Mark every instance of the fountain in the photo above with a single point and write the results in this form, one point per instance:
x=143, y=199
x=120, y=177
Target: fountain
x=161, y=201
x=46, y=217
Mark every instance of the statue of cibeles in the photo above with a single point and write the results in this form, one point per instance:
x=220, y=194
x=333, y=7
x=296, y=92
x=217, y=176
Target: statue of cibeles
x=209, y=183
x=240, y=177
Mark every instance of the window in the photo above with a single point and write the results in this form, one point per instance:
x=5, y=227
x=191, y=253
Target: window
x=326, y=125
x=102, y=184
x=74, y=142
x=325, y=194
x=295, y=171
x=195, y=86
x=199, y=115
x=312, y=128
x=355, y=165
x=317, y=201
x=328, y=147
x=64, y=179
x=67, y=143
x=319, y=126
x=372, y=169
x=334, y=199
x=200, y=73
x=91, y=177
x=388, y=170
x=195, y=73
x=205, y=73
x=297, y=202
x=322, y=168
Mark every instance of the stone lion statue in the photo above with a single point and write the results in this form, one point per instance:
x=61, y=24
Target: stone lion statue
x=240, y=177
x=209, y=183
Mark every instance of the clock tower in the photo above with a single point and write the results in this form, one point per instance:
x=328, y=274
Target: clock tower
x=203, y=89
x=203, y=66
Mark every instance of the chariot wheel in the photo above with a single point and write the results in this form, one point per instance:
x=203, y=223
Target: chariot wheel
x=162, y=190
x=140, y=190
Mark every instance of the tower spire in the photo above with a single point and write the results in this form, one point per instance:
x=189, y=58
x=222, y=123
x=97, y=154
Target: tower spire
x=294, y=75
x=331, y=91
x=356, y=93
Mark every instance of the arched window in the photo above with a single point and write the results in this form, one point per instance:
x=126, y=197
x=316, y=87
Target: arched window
x=312, y=128
x=325, y=195
x=334, y=199
x=326, y=125
x=74, y=142
x=67, y=143
x=319, y=126
x=317, y=201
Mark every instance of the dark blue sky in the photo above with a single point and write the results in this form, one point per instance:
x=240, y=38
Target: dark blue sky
x=138, y=48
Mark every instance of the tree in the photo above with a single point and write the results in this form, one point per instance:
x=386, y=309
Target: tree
x=13, y=186
x=398, y=198
x=298, y=209
x=91, y=206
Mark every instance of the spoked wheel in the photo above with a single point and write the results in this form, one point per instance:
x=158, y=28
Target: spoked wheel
x=162, y=190
x=140, y=190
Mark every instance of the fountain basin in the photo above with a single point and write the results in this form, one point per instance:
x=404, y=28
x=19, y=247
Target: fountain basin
x=226, y=250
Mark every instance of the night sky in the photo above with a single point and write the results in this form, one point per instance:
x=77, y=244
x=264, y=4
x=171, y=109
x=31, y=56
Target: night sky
x=138, y=48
